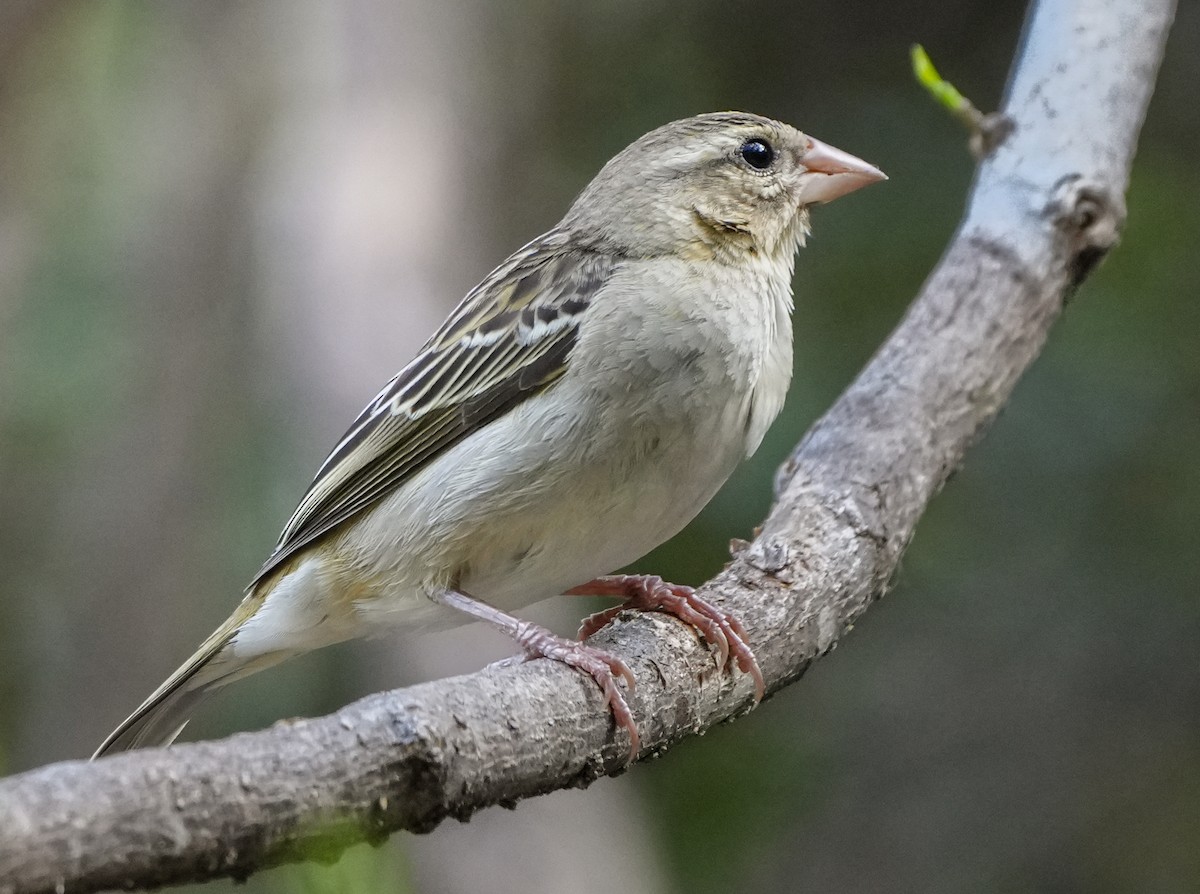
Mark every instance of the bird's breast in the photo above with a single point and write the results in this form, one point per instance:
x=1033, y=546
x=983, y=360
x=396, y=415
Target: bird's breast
x=673, y=380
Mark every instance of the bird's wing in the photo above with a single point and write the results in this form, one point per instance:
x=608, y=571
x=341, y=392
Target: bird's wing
x=510, y=338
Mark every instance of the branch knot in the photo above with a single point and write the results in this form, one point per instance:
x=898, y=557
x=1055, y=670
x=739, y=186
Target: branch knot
x=1091, y=217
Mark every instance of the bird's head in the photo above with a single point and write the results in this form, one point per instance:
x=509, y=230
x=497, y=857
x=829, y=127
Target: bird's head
x=717, y=185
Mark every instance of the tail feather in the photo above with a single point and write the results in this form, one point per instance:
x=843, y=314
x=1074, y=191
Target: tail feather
x=162, y=716
x=158, y=721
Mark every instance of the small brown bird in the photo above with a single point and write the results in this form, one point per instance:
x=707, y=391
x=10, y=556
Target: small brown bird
x=578, y=408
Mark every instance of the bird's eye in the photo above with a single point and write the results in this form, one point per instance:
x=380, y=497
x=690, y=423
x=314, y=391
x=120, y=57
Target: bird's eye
x=758, y=154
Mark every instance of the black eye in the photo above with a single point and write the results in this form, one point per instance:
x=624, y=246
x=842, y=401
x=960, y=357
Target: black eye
x=758, y=154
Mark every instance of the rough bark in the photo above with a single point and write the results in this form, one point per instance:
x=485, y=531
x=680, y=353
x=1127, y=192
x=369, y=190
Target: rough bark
x=1046, y=207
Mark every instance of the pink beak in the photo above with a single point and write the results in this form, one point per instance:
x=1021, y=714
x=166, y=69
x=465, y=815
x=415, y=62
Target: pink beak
x=843, y=173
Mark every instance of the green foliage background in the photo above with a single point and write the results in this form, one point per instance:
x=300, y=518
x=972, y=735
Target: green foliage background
x=1021, y=713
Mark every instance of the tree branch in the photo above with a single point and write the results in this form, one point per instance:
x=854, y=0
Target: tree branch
x=1047, y=206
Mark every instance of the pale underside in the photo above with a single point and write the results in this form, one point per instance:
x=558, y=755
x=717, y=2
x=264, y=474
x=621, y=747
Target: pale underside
x=562, y=489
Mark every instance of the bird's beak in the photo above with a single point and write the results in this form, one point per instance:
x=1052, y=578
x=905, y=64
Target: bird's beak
x=840, y=173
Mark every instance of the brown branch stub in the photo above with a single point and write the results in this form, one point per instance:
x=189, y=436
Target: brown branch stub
x=989, y=133
x=1047, y=203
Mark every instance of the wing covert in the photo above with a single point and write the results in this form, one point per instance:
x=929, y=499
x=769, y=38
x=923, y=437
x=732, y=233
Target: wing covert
x=508, y=339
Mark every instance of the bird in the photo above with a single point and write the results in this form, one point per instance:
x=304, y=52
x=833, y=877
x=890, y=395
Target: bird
x=577, y=409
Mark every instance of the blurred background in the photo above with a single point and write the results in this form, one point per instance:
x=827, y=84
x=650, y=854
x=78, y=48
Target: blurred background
x=224, y=225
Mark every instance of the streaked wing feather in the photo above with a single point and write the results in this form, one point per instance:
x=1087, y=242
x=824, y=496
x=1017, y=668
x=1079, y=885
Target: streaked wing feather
x=510, y=338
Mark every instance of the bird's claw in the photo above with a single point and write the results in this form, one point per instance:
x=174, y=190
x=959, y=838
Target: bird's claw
x=649, y=592
x=538, y=642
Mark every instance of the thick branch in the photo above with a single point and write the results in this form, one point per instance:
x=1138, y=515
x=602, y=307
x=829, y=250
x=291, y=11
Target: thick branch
x=1047, y=205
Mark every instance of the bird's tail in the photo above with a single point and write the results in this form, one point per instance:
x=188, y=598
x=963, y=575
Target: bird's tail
x=162, y=716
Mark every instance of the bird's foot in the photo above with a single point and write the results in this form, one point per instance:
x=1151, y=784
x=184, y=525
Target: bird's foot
x=648, y=592
x=538, y=642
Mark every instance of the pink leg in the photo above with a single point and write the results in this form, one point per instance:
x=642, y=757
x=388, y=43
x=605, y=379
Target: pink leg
x=538, y=642
x=649, y=592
